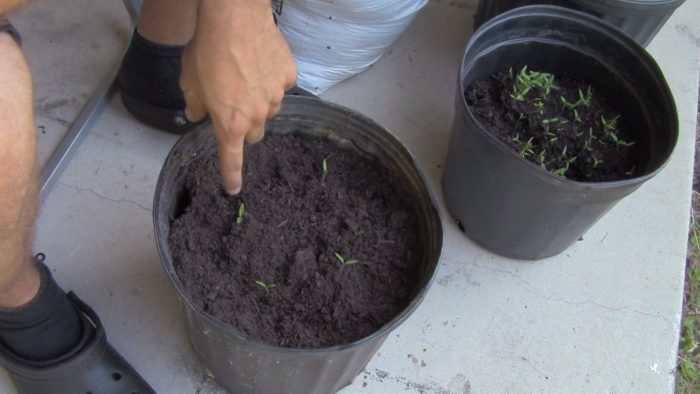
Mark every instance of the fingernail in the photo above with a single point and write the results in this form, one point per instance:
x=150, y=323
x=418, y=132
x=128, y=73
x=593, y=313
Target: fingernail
x=234, y=191
x=188, y=114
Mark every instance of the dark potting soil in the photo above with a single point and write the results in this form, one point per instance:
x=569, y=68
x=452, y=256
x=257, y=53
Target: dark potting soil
x=569, y=129
x=274, y=274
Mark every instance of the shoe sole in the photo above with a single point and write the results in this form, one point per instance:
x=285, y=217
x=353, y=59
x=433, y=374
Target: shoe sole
x=166, y=119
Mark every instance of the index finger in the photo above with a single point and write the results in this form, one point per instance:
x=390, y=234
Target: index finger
x=230, y=136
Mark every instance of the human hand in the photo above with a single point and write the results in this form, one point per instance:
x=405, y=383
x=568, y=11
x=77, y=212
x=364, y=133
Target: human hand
x=236, y=68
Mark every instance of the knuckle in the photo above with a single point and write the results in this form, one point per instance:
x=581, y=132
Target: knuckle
x=259, y=112
x=277, y=95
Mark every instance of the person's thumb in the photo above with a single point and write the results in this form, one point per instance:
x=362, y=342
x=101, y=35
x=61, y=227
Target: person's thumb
x=194, y=109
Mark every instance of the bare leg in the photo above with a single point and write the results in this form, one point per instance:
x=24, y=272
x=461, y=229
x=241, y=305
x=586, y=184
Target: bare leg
x=19, y=279
x=170, y=22
x=38, y=322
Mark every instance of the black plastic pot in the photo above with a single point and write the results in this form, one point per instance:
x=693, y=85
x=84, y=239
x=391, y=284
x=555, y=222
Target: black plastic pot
x=243, y=365
x=508, y=204
x=640, y=19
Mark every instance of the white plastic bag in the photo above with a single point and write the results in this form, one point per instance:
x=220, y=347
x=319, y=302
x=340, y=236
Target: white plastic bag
x=332, y=40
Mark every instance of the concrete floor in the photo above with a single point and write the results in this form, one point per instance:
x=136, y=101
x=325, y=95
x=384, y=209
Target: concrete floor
x=601, y=317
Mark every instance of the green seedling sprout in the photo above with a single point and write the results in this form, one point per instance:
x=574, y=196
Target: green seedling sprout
x=522, y=85
x=585, y=100
x=547, y=122
x=358, y=233
x=624, y=143
x=562, y=170
x=241, y=212
x=596, y=162
x=631, y=171
x=577, y=117
x=539, y=105
x=344, y=261
x=527, y=80
x=582, y=100
x=619, y=142
x=608, y=125
x=587, y=145
x=527, y=149
x=547, y=83
x=324, y=167
x=541, y=158
x=265, y=285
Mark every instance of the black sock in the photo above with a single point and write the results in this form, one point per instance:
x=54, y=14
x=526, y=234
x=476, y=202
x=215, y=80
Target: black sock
x=46, y=327
x=151, y=72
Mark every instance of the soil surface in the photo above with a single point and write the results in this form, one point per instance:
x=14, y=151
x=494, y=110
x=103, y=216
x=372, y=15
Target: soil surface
x=584, y=142
x=274, y=274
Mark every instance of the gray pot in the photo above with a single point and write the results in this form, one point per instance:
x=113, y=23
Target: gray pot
x=512, y=206
x=640, y=19
x=243, y=365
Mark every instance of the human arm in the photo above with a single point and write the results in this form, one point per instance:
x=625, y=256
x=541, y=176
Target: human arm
x=236, y=68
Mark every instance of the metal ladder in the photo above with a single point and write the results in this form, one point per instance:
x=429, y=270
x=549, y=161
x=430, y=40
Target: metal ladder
x=83, y=124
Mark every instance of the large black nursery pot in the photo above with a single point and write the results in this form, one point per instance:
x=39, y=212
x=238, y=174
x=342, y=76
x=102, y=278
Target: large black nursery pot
x=243, y=365
x=640, y=19
x=514, y=207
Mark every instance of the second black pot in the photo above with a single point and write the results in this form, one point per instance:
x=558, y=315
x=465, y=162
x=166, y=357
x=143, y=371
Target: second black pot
x=640, y=19
x=512, y=206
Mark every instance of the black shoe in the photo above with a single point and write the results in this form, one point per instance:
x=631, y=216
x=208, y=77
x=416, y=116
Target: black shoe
x=149, y=80
x=92, y=366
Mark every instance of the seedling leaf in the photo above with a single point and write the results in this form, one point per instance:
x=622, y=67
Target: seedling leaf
x=344, y=261
x=265, y=285
x=241, y=212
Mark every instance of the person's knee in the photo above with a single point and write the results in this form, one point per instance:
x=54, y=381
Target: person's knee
x=7, y=5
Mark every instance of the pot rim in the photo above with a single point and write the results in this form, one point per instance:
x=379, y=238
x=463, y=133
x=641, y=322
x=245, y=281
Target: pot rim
x=381, y=332
x=643, y=4
x=594, y=23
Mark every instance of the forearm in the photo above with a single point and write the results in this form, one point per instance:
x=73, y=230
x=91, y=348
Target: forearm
x=222, y=12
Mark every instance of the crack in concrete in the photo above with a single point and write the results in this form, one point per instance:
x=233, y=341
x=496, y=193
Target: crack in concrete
x=531, y=365
x=101, y=197
x=48, y=116
x=538, y=293
x=462, y=385
x=688, y=33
